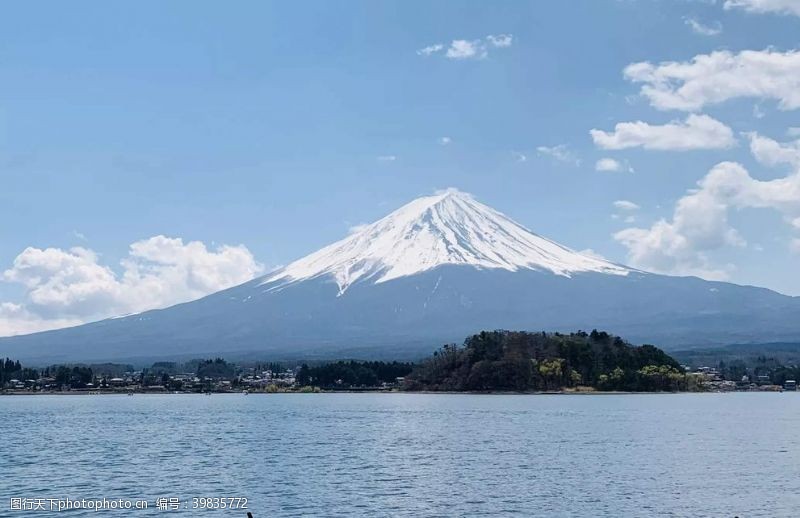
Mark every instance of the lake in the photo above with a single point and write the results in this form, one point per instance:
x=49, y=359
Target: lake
x=409, y=454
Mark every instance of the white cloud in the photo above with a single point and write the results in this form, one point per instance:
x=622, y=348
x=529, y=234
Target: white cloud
x=794, y=246
x=15, y=319
x=464, y=49
x=772, y=153
x=765, y=6
x=461, y=49
x=793, y=132
x=445, y=140
x=387, y=158
x=500, y=40
x=696, y=132
x=72, y=286
x=520, y=157
x=430, y=49
x=700, y=225
x=560, y=153
x=607, y=164
x=704, y=30
x=719, y=76
x=625, y=205
x=680, y=246
x=612, y=165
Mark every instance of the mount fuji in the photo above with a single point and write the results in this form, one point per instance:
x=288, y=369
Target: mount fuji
x=434, y=271
x=450, y=228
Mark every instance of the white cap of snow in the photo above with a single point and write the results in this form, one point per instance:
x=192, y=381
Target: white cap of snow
x=448, y=228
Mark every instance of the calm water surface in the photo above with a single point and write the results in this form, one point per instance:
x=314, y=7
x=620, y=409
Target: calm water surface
x=410, y=454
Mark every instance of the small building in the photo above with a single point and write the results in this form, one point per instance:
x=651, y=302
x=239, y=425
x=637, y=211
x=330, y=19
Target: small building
x=790, y=385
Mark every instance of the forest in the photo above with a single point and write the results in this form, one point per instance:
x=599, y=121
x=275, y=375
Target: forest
x=352, y=374
x=11, y=369
x=523, y=362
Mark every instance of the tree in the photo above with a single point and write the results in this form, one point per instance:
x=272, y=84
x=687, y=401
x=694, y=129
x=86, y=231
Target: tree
x=552, y=372
x=513, y=360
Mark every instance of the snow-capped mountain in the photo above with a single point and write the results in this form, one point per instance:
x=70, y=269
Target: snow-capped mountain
x=434, y=271
x=449, y=228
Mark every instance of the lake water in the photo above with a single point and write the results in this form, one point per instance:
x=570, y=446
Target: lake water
x=409, y=454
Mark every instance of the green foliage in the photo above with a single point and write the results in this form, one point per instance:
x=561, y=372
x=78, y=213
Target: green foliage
x=215, y=369
x=349, y=374
x=161, y=368
x=76, y=376
x=520, y=361
x=9, y=370
x=779, y=362
x=655, y=378
x=111, y=370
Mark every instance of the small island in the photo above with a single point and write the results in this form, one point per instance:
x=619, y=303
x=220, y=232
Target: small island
x=537, y=362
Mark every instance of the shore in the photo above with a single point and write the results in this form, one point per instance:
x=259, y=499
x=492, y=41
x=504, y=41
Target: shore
x=366, y=391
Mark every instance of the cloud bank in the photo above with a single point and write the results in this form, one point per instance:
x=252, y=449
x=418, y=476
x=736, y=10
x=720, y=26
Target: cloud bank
x=719, y=76
x=699, y=223
x=68, y=287
x=696, y=132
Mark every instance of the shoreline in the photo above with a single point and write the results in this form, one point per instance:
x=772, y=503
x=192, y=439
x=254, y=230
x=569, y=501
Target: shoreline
x=417, y=392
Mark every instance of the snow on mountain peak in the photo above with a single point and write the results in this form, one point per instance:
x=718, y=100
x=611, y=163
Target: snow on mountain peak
x=448, y=228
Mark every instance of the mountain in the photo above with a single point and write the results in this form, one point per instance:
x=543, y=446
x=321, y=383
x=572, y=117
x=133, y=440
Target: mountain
x=436, y=270
x=450, y=228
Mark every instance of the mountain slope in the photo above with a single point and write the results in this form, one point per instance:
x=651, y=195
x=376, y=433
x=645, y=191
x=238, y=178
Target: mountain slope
x=434, y=271
x=450, y=228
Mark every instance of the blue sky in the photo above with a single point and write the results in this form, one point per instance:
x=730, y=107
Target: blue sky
x=274, y=127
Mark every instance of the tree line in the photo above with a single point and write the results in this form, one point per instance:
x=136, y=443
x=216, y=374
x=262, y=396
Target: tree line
x=522, y=361
x=76, y=376
x=488, y=361
x=352, y=374
x=12, y=369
